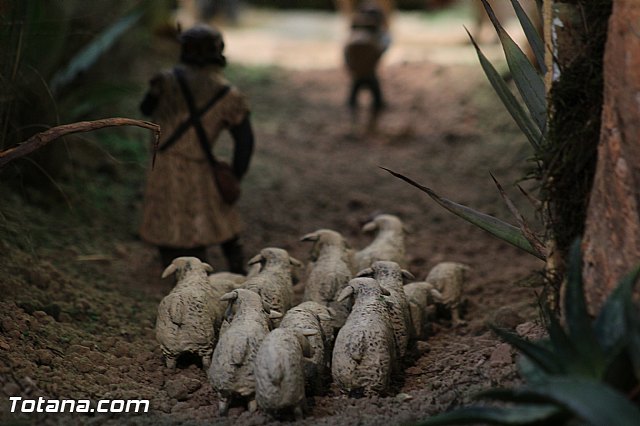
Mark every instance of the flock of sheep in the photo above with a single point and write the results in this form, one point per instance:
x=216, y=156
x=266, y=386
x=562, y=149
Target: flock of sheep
x=354, y=326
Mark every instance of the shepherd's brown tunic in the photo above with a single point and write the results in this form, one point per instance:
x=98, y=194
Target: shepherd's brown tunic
x=182, y=206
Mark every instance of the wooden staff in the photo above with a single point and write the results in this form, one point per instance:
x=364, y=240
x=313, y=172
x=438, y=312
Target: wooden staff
x=41, y=139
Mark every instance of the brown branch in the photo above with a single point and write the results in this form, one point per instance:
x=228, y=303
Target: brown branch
x=41, y=139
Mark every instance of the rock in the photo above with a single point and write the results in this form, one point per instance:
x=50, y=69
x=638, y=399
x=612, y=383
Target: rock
x=65, y=317
x=181, y=387
x=39, y=314
x=5, y=346
x=422, y=347
x=11, y=389
x=44, y=356
x=402, y=397
x=501, y=355
x=9, y=324
x=78, y=349
x=83, y=364
x=96, y=357
x=121, y=349
x=530, y=330
x=506, y=317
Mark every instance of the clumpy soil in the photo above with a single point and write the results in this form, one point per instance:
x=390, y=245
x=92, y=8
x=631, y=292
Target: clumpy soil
x=80, y=324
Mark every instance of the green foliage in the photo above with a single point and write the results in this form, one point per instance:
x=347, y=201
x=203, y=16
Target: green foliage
x=579, y=372
x=520, y=116
x=531, y=121
x=492, y=225
x=90, y=54
x=529, y=82
x=50, y=75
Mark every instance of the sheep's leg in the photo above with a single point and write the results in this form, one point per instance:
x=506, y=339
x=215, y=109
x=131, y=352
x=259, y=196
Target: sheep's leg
x=455, y=316
x=298, y=412
x=206, y=360
x=223, y=406
x=252, y=406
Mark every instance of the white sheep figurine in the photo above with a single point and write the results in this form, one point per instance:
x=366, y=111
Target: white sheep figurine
x=364, y=351
x=226, y=277
x=391, y=277
x=422, y=297
x=314, y=316
x=231, y=370
x=189, y=315
x=449, y=279
x=387, y=245
x=330, y=266
x=279, y=371
x=273, y=282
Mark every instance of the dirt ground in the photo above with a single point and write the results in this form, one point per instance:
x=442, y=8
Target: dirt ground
x=81, y=327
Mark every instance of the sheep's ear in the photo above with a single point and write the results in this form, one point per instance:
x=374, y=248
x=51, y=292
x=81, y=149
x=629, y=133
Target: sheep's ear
x=295, y=262
x=307, y=350
x=408, y=275
x=313, y=236
x=274, y=314
x=369, y=227
x=256, y=259
x=266, y=306
x=367, y=272
x=228, y=313
x=346, y=292
x=207, y=267
x=232, y=295
x=169, y=270
x=325, y=317
x=384, y=291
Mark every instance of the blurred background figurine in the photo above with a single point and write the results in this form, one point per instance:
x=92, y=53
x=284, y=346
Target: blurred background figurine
x=368, y=39
x=184, y=211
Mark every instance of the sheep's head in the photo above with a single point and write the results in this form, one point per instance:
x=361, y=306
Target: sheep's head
x=386, y=269
x=183, y=265
x=241, y=297
x=362, y=286
x=323, y=237
x=272, y=256
x=385, y=222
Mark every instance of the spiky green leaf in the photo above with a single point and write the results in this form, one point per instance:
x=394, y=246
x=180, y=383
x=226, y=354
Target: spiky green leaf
x=611, y=324
x=518, y=415
x=579, y=324
x=633, y=325
x=530, y=84
x=502, y=230
x=520, y=116
x=530, y=370
x=534, y=39
x=543, y=357
x=88, y=56
x=591, y=401
x=533, y=239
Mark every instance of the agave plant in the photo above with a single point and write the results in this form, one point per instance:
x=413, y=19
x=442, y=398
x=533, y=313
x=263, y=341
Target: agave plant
x=530, y=118
x=586, y=370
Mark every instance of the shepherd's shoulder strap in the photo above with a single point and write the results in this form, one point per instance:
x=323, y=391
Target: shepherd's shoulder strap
x=184, y=126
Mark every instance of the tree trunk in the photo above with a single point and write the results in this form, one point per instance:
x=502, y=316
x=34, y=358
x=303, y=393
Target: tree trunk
x=611, y=243
x=575, y=34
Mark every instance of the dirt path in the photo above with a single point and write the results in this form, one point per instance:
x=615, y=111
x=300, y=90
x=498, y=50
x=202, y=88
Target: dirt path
x=67, y=336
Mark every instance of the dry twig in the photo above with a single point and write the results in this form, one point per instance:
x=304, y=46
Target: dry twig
x=41, y=139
